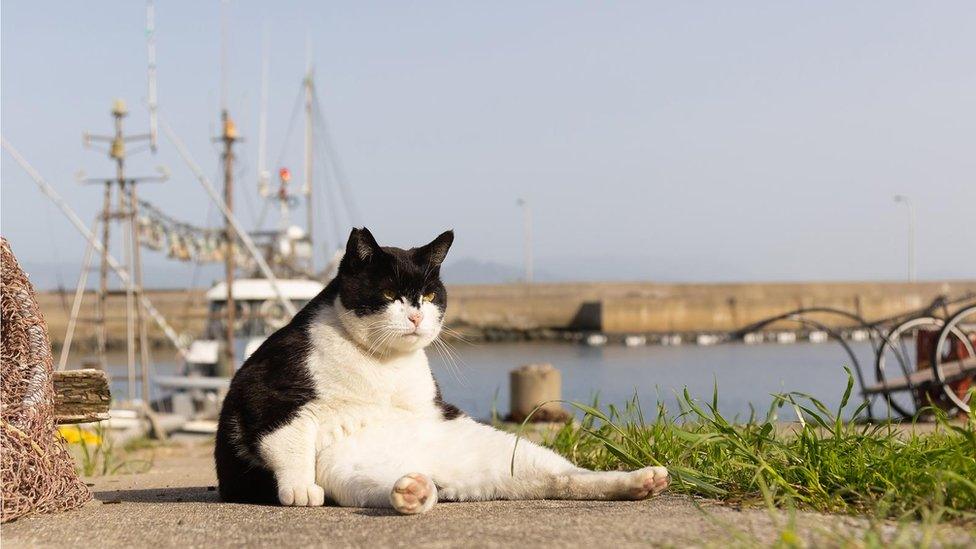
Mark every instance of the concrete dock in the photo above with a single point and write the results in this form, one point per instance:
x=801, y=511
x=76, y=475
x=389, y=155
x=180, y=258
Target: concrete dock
x=175, y=505
x=609, y=307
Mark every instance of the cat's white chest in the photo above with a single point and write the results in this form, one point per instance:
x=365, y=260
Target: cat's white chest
x=356, y=390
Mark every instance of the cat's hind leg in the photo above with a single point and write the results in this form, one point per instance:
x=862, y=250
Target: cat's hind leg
x=410, y=466
x=479, y=465
x=413, y=493
x=378, y=468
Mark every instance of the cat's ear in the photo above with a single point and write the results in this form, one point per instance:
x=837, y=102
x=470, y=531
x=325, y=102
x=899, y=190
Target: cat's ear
x=361, y=246
x=435, y=252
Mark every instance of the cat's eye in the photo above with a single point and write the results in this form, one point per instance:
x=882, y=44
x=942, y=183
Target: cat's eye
x=429, y=297
x=389, y=295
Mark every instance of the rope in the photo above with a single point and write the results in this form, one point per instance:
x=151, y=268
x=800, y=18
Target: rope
x=38, y=474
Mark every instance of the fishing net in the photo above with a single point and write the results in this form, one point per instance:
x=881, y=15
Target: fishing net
x=38, y=474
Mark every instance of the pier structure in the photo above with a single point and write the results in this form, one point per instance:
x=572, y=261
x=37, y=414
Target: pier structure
x=120, y=205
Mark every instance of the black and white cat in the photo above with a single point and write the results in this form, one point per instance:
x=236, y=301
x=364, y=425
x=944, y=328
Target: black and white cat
x=340, y=404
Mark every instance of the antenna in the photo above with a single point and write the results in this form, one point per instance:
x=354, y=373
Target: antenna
x=309, y=143
x=151, y=69
x=224, y=7
x=263, y=175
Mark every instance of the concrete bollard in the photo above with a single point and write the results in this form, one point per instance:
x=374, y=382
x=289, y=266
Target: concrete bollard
x=531, y=385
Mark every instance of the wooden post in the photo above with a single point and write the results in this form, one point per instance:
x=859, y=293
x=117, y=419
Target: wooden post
x=532, y=385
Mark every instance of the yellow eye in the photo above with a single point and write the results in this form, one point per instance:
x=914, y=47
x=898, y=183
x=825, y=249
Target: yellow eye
x=389, y=294
x=429, y=297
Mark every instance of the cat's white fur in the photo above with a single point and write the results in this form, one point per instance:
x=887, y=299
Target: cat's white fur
x=374, y=436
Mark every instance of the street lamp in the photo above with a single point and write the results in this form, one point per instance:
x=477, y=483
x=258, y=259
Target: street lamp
x=902, y=199
x=527, y=238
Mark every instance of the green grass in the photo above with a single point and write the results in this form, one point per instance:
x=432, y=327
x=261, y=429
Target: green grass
x=823, y=464
x=96, y=454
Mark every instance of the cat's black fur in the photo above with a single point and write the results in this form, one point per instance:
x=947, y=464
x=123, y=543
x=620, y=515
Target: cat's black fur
x=274, y=383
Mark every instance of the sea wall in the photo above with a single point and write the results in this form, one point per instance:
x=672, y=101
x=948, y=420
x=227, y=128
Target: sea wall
x=663, y=308
x=614, y=308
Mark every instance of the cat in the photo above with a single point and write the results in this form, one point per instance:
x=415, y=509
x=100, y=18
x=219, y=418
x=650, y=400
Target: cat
x=340, y=405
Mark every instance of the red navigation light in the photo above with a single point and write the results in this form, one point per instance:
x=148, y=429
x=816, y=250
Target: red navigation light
x=284, y=174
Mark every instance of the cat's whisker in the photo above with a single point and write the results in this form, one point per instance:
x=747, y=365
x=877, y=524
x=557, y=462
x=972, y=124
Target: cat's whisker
x=452, y=359
x=457, y=335
x=448, y=361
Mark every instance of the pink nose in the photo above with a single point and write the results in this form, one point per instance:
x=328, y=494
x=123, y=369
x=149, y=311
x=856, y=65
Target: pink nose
x=416, y=318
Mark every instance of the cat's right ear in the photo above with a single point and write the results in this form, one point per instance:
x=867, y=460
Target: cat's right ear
x=361, y=247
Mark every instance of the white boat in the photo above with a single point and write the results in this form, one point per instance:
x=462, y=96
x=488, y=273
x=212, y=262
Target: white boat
x=818, y=336
x=785, y=337
x=596, y=340
x=707, y=339
x=635, y=341
x=206, y=375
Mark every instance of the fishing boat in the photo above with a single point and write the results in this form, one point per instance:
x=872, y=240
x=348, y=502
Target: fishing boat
x=277, y=266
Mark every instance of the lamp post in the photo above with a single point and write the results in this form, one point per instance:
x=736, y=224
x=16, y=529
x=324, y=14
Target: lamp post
x=527, y=238
x=902, y=199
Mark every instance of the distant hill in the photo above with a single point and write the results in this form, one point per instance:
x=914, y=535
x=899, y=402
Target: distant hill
x=468, y=270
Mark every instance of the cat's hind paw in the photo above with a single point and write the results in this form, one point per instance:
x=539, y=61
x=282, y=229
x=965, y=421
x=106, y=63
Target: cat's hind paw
x=647, y=482
x=413, y=494
x=301, y=495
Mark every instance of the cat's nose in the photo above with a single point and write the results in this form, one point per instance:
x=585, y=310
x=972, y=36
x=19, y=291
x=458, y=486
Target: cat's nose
x=416, y=317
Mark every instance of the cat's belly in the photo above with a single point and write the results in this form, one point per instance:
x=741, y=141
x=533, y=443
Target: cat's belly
x=337, y=426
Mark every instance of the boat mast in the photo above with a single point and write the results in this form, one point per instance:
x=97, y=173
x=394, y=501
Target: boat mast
x=151, y=80
x=264, y=176
x=228, y=137
x=307, y=188
x=126, y=213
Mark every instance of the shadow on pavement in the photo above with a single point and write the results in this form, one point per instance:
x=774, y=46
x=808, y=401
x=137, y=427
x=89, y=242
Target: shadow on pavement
x=202, y=494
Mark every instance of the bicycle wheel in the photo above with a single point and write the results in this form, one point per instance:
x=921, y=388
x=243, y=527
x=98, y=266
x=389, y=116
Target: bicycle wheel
x=959, y=326
x=894, y=347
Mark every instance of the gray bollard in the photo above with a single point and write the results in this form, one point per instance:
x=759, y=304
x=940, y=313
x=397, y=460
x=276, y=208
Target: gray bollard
x=531, y=385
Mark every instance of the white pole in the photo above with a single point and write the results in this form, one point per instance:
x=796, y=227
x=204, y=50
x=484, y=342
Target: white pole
x=151, y=53
x=309, y=137
x=48, y=190
x=224, y=7
x=228, y=215
x=527, y=238
x=263, y=175
x=69, y=334
x=912, y=266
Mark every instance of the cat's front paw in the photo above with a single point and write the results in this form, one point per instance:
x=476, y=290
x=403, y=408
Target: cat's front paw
x=413, y=494
x=301, y=495
x=646, y=482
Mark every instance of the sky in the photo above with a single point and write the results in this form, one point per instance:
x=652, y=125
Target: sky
x=680, y=141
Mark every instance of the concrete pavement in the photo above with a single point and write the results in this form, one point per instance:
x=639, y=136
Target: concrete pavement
x=175, y=505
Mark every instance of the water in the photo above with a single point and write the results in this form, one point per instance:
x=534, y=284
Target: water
x=745, y=374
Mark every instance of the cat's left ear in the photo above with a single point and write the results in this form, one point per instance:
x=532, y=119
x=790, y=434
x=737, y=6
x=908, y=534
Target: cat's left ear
x=435, y=252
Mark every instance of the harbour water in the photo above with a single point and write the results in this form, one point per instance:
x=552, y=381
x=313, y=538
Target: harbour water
x=745, y=374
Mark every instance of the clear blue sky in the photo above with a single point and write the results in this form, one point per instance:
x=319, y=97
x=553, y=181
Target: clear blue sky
x=666, y=141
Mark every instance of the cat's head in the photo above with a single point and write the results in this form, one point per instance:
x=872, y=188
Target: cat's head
x=390, y=299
